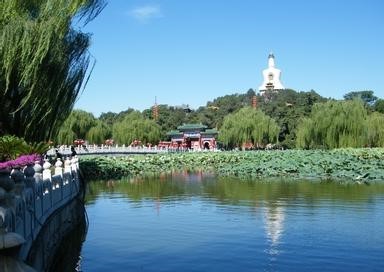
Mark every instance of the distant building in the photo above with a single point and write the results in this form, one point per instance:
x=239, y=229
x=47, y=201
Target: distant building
x=184, y=107
x=193, y=136
x=271, y=77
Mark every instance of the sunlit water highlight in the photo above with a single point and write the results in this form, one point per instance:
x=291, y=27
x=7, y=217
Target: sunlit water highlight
x=198, y=222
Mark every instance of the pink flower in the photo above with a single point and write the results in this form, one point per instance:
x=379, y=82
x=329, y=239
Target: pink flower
x=21, y=161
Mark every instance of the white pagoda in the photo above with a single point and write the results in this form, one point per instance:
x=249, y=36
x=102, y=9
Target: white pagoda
x=271, y=77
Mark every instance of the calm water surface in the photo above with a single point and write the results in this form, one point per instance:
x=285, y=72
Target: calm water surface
x=198, y=222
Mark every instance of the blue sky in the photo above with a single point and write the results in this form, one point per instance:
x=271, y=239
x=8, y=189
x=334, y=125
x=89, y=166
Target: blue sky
x=192, y=51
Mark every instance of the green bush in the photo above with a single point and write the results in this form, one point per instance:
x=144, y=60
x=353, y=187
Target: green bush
x=12, y=147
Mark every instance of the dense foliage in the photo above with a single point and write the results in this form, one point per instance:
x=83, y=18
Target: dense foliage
x=354, y=165
x=43, y=63
x=367, y=97
x=99, y=133
x=135, y=127
x=215, y=111
x=336, y=124
x=379, y=105
x=12, y=147
x=170, y=117
x=76, y=126
x=375, y=130
x=287, y=108
x=248, y=125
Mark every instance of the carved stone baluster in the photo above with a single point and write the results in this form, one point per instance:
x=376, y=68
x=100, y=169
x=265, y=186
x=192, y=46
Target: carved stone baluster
x=67, y=165
x=74, y=163
x=77, y=163
x=18, y=177
x=38, y=171
x=59, y=167
x=47, y=170
x=29, y=173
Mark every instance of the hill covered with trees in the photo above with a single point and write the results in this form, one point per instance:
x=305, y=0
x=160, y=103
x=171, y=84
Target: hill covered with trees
x=282, y=118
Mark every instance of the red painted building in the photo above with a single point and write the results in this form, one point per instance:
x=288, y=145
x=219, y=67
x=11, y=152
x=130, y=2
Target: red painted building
x=193, y=136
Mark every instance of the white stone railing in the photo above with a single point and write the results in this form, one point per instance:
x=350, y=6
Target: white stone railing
x=115, y=149
x=29, y=196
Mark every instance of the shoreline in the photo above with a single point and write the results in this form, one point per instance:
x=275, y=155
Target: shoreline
x=350, y=164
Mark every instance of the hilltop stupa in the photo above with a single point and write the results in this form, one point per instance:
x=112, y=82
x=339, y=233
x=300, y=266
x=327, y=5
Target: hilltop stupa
x=271, y=77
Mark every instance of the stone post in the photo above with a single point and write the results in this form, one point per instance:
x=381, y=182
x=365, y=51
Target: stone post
x=47, y=170
x=67, y=165
x=59, y=167
x=29, y=173
x=38, y=171
x=18, y=177
x=74, y=163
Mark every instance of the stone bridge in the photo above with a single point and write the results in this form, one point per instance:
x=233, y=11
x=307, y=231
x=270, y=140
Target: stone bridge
x=112, y=150
x=29, y=197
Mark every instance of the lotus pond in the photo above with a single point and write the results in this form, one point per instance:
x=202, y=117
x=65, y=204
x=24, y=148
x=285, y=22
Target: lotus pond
x=345, y=165
x=198, y=221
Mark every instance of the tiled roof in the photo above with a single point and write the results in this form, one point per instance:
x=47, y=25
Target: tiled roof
x=192, y=126
x=210, y=131
x=174, y=133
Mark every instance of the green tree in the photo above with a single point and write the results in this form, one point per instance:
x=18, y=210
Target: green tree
x=367, y=96
x=99, y=133
x=213, y=114
x=135, y=127
x=248, y=125
x=12, y=147
x=375, y=130
x=287, y=107
x=170, y=117
x=334, y=124
x=379, y=105
x=108, y=118
x=76, y=126
x=43, y=63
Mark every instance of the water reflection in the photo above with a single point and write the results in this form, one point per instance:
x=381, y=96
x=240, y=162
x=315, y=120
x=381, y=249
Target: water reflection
x=274, y=216
x=232, y=191
x=199, y=222
x=58, y=245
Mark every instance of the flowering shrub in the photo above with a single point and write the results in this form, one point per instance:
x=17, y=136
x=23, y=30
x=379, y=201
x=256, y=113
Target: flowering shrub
x=21, y=161
x=12, y=147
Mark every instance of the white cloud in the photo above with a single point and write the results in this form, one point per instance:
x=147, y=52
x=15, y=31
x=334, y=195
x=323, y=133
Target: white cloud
x=145, y=13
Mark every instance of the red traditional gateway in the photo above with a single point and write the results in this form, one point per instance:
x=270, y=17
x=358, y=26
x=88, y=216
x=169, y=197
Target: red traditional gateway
x=193, y=136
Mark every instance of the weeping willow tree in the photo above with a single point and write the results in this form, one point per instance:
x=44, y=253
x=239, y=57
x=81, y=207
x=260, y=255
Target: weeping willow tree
x=135, y=127
x=76, y=126
x=43, y=63
x=248, y=126
x=334, y=124
x=375, y=130
x=99, y=133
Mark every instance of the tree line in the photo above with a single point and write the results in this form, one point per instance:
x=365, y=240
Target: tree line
x=287, y=118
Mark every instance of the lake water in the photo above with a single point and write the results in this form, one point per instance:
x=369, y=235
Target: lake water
x=198, y=222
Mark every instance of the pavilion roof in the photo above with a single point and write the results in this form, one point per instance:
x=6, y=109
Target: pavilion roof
x=191, y=126
x=210, y=131
x=174, y=133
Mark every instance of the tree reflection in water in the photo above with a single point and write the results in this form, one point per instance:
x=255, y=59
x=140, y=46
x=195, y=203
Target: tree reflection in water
x=198, y=216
